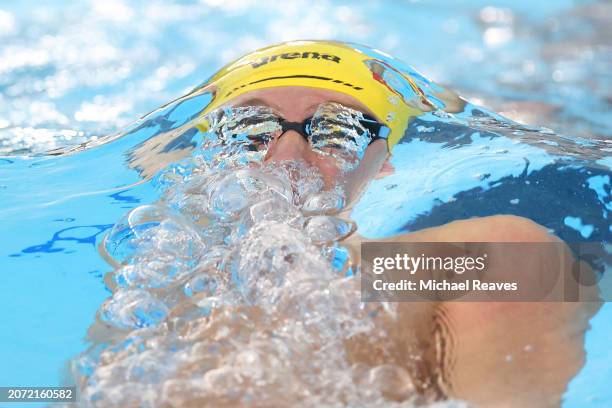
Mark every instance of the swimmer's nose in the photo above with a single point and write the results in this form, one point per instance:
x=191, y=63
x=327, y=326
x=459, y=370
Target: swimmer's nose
x=289, y=146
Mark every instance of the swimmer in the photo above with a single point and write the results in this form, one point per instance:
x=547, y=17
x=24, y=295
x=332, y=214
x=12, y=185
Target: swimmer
x=485, y=362
x=296, y=110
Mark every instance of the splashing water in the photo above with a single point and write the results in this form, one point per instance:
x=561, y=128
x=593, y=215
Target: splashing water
x=229, y=292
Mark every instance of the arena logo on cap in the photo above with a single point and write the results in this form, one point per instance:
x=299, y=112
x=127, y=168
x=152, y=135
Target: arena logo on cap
x=294, y=55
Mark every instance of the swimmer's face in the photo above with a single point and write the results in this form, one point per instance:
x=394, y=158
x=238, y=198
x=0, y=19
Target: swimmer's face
x=295, y=104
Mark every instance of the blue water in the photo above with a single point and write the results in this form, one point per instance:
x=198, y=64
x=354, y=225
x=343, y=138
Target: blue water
x=69, y=74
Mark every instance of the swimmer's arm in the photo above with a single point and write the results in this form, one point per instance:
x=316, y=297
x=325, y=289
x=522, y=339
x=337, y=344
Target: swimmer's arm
x=498, y=228
x=513, y=354
x=508, y=354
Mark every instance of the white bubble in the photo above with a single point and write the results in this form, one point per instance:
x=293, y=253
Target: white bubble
x=325, y=229
x=130, y=309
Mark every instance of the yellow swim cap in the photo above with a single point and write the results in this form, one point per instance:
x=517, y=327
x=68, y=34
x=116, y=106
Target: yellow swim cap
x=322, y=64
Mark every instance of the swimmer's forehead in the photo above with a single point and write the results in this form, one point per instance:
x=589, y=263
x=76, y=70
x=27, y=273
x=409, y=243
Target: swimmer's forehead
x=296, y=100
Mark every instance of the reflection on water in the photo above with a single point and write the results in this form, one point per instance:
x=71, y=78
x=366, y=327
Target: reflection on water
x=72, y=72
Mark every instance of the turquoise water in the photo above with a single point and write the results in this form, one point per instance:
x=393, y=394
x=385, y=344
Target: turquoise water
x=74, y=74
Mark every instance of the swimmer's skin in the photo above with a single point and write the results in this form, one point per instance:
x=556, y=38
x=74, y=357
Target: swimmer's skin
x=500, y=354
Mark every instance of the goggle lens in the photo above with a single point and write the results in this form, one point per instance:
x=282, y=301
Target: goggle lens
x=334, y=129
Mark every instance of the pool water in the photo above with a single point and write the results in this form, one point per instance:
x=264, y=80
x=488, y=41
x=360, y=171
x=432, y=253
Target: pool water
x=73, y=75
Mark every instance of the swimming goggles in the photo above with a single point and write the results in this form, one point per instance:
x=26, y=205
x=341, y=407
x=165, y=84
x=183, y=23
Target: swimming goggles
x=333, y=128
